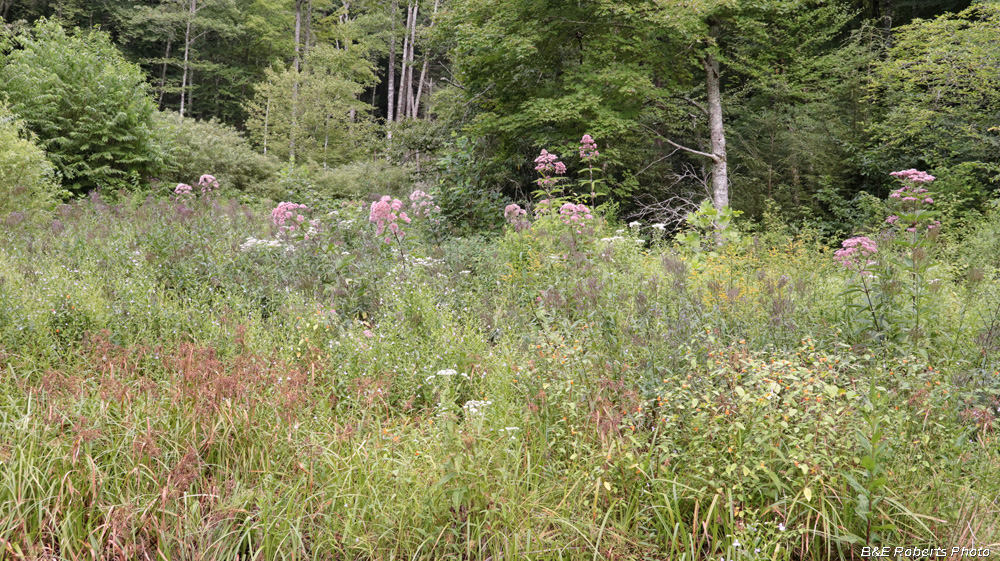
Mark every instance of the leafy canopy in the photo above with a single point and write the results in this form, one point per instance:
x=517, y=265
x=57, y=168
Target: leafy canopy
x=88, y=106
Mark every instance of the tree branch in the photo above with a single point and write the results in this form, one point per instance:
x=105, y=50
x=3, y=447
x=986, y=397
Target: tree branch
x=696, y=104
x=712, y=157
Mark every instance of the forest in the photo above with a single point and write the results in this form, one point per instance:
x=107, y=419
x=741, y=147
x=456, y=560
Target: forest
x=499, y=279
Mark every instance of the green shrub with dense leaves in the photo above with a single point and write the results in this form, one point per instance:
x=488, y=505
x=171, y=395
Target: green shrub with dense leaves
x=196, y=147
x=27, y=178
x=87, y=105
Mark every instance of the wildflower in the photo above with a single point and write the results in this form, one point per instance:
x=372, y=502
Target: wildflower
x=781, y=526
x=574, y=213
x=183, y=189
x=285, y=212
x=368, y=333
x=512, y=211
x=853, y=248
x=588, y=148
x=913, y=176
x=474, y=407
x=207, y=183
x=422, y=205
x=516, y=216
x=383, y=214
x=660, y=227
x=892, y=219
x=634, y=224
x=548, y=164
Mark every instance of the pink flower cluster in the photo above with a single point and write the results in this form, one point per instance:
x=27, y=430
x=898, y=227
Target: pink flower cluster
x=513, y=212
x=911, y=194
x=574, y=214
x=543, y=207
x=422, y=204
x=913, y=176
x=912, y=197
x=288, y=217
x=588, y=148
x=547, y=165
x=384, y=214
x=208, y=183
x=855, y=254
x=516, y=216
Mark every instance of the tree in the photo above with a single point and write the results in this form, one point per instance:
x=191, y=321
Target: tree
x=940, y=90
x=650, y=75
x=320, y=120
x=88, y=106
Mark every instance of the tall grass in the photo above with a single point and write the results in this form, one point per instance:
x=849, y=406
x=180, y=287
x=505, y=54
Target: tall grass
x=171, y=393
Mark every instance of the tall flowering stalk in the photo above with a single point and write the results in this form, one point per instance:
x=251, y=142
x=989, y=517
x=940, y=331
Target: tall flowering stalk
x=911, y=229
x=589, y=155
x=548, y=167
x=856, y=255
x=915, y=223
x=386, y=214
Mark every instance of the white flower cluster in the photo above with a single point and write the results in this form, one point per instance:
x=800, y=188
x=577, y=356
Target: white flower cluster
x=473, y=407
x=447, y=372
x=254, y=244
x=426, y=261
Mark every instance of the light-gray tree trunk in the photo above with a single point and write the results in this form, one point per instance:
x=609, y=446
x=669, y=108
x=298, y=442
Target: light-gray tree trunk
x=192, y=11
x=423, y=71
x=390, y=105
x=716, y=127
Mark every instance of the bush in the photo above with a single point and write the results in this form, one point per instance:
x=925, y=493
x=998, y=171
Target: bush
x=87, y=105
x=27, y=179
x=316, y=187
x=196, y=147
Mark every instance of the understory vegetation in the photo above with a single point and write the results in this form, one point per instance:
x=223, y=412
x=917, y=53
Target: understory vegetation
x=193, y=378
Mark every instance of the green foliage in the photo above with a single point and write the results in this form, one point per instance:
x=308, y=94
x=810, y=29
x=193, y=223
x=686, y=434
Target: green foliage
x=939, y=86
x=314, y=114
x=586, y=392
x=88, y=106
x=466, y=204
x=27, y=179
x=710, y=228
x=196, y=147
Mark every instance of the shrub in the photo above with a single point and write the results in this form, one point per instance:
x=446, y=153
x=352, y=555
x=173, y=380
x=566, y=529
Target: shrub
x=193, y=146
x=87, y=105
x=27, y=179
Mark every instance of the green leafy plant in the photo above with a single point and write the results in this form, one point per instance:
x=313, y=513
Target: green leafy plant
x=27, y=178
x=709, y=228
x=87, y=104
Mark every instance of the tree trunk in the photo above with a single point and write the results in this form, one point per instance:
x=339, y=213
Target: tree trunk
x=192, y=10
x=267, y=118
x=392, y=71
x=163, y=72
x=401, y=104
x=887, y=15
x=423, y=71
x=409, y=67
x=720, y=171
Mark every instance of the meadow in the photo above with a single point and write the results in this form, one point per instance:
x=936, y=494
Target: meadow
x=189, y=377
